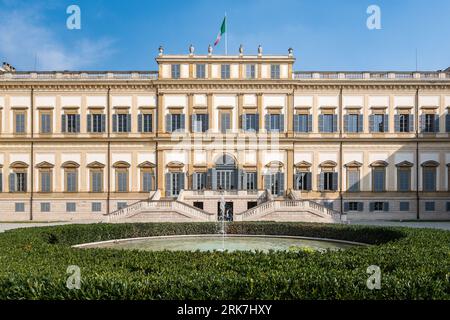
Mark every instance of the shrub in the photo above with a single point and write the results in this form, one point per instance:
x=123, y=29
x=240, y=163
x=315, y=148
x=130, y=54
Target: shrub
x=415, y=264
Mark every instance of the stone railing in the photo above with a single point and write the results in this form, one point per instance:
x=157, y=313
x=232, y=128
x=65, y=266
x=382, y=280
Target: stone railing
x=80, y=75
x=312, y=75
x=305, y=205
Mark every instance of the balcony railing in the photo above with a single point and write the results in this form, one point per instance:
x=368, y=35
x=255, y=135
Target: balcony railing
x=81, y=75
x=313, y=75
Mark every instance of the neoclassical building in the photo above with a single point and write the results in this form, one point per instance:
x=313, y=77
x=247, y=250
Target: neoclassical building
x=244, y=132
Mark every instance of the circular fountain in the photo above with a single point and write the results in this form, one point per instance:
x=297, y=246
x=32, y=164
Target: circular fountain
x=264, y=243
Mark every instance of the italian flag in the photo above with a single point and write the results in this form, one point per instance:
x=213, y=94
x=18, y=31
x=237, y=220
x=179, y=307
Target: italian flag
x=222, y=31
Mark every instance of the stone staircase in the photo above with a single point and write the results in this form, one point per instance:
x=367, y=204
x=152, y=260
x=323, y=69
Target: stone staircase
x=155, y=209
x=289, y=209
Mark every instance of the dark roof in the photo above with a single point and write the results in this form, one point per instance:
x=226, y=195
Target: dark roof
x=447, y=70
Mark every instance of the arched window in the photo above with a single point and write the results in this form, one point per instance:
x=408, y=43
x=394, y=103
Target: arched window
x=122, y=176
x=147, y=181
x=96, y=176
x=328, y=178
x=45, y=176
x=18, y=177
x=70, y=176
x=302, y=176
x=353, y=176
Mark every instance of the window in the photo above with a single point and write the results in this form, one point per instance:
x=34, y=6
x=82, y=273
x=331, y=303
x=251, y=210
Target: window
x=96, y=123
x=200, y=70
x=379, y=123
x=225, y=121
x=275, y=71
x=19, y=122
x=378, y=179
x=353, y=206
x=122, y=180
x=404, y=123
x=328, y=123
x=404, y=179
x=71, y=207
x=404, y=206
x=353, y=123
x=448, y=206
x=329, y=181
x=174, y=183
x=302, y=181
x=200, y=122
x=45, y=177
x=250, y=71
x=430, y=206
x=429, y=179
x=225, y=71
x=302, y=123
x=96, y=180
x=20, y=207
x=121, y=205
x=175, y=122
x=46, y=122
x=175, y=71
x=96, y=207
x=353, y=179
x=250, y=122
x=274, y=122
x=429, y=122
x=1, y=181
x=199, y=180
x=146, y=180
x=145, y=122
x=274, y=182
x=379, y=206
x=71, y=180
x=328, y=204
x=18, y=181
x=447, y=121
x=45, y=206
x=250, y=181
x=70, y=123
x=122, y=122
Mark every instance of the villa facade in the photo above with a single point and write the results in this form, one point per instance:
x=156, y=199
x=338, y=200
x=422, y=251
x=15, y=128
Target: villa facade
x=245, y=130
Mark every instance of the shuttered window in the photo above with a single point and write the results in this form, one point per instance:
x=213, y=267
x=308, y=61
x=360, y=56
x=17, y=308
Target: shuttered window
x=302, y=181
x=97, y=181
x=175, y=71
x=20, y=122
x=378, y=179
x=327, y=123
x=302, y=123
x=353, y=123
x=70, y=123
x=429, y=179
x=379, y=123
x=200, y=122
x=122, y=181
x=250, y=122
x=404, y=179
x=175, y=122
x=46, y=124
x=328, y=181
x=96, y=123
x=353, y=180
x=71, y=181
x=45, y=177
x=225, y=122
x=147, y=178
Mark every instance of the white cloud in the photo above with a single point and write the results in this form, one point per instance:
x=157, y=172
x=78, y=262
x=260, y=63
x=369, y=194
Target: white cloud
x=23, y=36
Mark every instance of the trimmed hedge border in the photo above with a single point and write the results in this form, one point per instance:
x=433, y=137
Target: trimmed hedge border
x=414, y=263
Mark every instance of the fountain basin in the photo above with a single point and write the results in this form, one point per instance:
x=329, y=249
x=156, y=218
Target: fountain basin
x=211, y=242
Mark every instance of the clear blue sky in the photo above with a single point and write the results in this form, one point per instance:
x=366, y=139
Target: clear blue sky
x=325, y=34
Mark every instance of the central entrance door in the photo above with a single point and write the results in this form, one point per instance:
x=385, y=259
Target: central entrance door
x=228, y=216
x=226, y=173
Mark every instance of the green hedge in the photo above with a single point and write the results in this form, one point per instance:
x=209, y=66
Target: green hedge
x=415, y=264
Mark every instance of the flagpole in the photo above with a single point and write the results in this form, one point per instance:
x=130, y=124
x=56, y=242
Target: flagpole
x=226, y=34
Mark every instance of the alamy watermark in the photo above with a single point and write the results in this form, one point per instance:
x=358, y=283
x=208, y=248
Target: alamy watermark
x=74, y=279
x=374, y=280
x=73, y=22
x=374, y=20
